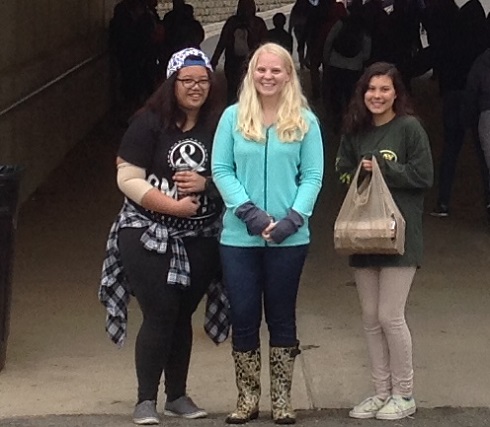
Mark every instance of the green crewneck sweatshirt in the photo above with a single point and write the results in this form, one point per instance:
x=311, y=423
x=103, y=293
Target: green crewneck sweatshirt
x=402, y=149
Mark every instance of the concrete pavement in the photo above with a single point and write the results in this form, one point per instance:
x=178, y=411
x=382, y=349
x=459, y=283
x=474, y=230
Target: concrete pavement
x=441, y=417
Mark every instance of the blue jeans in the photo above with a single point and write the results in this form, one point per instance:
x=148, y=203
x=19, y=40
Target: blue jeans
x=271, y=273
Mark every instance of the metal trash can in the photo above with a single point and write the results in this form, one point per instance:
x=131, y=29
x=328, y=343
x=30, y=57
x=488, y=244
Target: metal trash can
x=10, y=177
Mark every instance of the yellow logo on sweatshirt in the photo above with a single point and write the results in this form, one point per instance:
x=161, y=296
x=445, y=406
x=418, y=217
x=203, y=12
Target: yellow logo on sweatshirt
x=389, y=155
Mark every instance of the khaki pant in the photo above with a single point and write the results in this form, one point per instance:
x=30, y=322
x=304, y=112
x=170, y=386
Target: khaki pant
x=383, y=295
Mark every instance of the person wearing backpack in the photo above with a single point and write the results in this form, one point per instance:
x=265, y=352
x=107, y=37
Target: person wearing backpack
x=240, y=36
x=347, y=48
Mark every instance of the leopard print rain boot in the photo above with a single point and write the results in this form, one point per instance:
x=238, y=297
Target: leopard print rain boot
x=281, y=371
x=247, y=374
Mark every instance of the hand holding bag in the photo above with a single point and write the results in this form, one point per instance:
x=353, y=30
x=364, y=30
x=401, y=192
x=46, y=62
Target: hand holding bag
x=369, y=222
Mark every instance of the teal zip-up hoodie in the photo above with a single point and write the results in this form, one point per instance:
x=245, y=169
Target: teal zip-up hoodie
x=276, y=176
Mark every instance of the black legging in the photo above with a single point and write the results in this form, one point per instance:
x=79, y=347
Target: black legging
x=164, y=340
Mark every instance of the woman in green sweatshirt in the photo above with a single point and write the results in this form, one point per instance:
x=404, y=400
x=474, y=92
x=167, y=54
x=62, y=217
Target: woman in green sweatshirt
x=380, y=122
x=267, y=163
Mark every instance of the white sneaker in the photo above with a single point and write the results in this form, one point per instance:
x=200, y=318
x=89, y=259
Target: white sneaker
x=368, y=408
x=397, y=407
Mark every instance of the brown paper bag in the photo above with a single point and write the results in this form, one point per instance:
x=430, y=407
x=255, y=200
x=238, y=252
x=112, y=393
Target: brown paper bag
x=369, y=222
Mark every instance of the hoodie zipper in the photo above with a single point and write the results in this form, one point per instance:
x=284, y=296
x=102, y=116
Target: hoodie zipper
x=265, y=167
x=265, y=170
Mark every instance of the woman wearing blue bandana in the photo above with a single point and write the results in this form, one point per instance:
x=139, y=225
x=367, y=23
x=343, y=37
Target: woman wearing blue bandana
x=163, y=247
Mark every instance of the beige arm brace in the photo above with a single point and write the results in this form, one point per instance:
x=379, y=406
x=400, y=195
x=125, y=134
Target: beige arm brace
x=131, y=180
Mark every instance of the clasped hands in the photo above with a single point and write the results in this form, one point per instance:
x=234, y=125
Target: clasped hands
x=260, y=223
x=266, y=233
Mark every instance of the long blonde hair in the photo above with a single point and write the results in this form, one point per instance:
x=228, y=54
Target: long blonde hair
x=291, y=124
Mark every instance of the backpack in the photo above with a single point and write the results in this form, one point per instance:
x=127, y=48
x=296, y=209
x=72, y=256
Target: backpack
x=240, y=40
x=348, y=41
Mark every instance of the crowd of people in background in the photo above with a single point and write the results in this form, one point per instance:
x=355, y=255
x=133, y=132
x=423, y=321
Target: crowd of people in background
x=343, y=41
x=142, y=44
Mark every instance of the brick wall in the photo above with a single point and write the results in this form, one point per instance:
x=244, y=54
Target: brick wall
x=207, y=11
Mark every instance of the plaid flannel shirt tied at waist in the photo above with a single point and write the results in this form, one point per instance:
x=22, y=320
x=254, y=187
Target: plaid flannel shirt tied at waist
x=114, y=290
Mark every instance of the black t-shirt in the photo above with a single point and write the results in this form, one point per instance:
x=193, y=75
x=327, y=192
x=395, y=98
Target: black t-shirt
x=146, y=145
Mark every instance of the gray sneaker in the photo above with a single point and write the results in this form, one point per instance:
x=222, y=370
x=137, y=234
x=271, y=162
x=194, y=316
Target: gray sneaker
x=184, y=407
x=145, y=413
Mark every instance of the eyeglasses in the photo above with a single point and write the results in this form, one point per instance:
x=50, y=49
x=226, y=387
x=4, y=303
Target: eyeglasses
x=190, y=83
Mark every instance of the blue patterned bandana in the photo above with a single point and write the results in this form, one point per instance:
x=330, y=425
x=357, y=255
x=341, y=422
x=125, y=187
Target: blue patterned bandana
x=186, y=58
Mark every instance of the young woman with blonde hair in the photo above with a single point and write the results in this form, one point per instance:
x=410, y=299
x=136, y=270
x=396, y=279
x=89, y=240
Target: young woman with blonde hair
x=267, y=164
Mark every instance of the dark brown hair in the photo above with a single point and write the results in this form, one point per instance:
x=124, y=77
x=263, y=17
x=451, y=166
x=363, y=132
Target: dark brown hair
x=163, y=102
x=358, y=118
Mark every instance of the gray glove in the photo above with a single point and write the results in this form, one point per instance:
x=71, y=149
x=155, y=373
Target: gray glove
x=254, y=218
x=287, y=226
